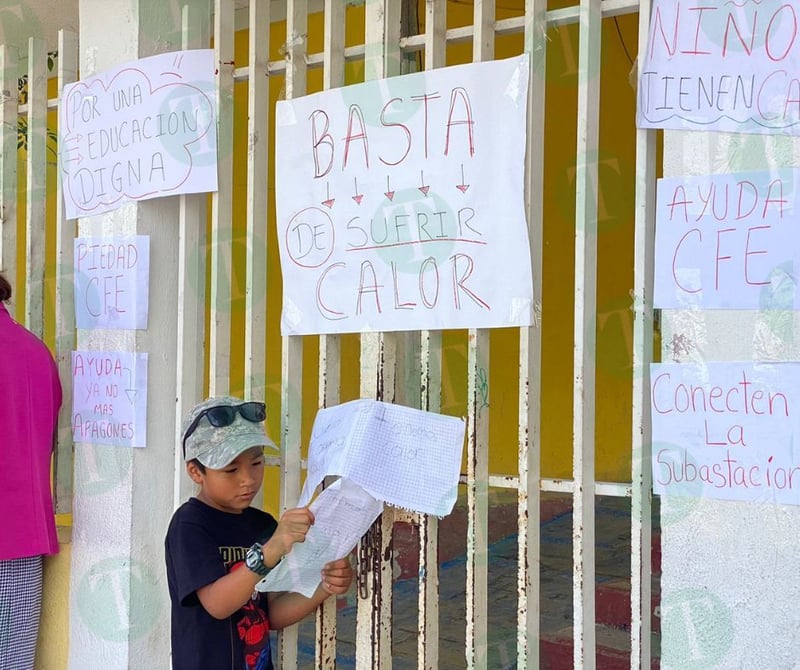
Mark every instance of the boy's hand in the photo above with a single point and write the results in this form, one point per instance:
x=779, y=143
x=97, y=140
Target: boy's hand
x=292, y=527
x=337, y=576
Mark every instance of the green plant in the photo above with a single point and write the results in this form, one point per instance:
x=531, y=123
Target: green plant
x=22, y=121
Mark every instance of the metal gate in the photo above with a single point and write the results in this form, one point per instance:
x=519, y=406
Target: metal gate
x=393, y=37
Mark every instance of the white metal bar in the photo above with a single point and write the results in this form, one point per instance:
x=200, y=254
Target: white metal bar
x=9, y=105
x=329, y=395
x=478, y=429
x=431, y=381
x=529, y=449
x=291, y=424
x=255, y=328
x=222, y=205
x=600, y=488
x=462, y=34
x=374, y=608
x=641, y=473
x=435, y=36
x=477, y=500
x=36, y=187
x=52, y=103
x=583, y=530
x=65, y=298
x=330, y=345
x=192, y=239
x=373, y=612
x=334, y=50
x=295, y=49
x=378, y=361
x=612, y=489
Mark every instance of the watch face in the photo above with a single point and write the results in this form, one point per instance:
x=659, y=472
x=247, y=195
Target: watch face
x=254, y=560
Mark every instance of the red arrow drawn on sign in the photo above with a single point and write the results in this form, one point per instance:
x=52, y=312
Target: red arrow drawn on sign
x=358, y=197
x=389, y=192
x=424, y=188
x=462, y=186
x=329, y=202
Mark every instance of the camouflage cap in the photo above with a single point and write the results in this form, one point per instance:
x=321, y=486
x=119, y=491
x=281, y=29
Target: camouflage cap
x=217, y=447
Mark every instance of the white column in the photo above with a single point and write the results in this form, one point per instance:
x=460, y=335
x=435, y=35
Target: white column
x=729, y=583
x=123, y=498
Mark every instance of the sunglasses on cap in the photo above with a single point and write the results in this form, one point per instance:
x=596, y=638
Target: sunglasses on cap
x=221, y=416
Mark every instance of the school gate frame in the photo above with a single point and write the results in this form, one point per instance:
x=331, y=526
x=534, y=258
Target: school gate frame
x=408, y=368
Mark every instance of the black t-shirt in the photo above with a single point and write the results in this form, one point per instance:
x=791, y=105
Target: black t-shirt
x=202, y=545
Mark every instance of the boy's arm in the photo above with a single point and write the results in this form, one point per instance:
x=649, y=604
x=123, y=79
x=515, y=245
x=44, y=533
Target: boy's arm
x=287, y=608
x=227, y=594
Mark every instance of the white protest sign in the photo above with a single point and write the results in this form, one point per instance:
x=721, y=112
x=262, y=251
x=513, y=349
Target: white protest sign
x=721, y=65
x=343, y=512
x=728, y=241
x=406, y=457
x=726, y=430
x=109, y=398
x=142, y=130
x=111, y=282
x=400, y=203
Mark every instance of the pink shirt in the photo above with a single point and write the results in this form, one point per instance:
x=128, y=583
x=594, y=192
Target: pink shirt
x=30, y=395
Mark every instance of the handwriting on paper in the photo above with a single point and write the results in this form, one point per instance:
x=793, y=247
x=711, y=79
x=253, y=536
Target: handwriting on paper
x=726, y=430
x=109, y=400
x=142, y=130
x=343, y=512
x=727, y=240
x=728, y=66
x=401, y=202
x=111, y=282
x=405, y=457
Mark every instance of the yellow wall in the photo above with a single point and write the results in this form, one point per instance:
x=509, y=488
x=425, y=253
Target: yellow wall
x=53, y=647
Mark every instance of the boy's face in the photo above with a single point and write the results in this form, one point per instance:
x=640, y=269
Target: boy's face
x=232, y=488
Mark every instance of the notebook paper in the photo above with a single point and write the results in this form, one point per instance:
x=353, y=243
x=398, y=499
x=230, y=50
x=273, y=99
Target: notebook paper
x=402, y=456
x=343, y=512
x=382, y=453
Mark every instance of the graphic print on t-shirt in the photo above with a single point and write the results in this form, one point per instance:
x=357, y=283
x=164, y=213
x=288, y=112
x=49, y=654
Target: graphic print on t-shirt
x=251, y=620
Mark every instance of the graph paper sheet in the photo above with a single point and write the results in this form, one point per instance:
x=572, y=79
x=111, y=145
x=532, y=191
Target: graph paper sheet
x=382, y=453
x=343, y=512
x=402, y=456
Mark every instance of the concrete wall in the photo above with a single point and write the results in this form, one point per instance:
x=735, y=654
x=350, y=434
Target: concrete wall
x=729, y=585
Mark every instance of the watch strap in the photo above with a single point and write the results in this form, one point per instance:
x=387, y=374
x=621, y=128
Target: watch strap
x=255, y=560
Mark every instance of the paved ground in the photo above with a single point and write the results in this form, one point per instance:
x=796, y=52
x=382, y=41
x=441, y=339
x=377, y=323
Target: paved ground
x=612, y=595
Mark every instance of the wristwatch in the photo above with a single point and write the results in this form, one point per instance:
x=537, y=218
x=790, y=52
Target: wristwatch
x=254, y=560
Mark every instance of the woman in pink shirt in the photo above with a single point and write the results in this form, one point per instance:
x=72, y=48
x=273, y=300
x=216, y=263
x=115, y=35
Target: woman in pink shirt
x=28, y=416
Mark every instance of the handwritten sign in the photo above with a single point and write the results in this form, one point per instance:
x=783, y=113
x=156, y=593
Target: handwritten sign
x=109, y=400
x=343, y=512
x=142, y=130
x=400, y=203
x=721, y=65
x=403, y=456
x=726, y=430
x=111, y=282
x=727, y=241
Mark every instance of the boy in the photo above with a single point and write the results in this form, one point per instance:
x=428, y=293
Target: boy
x=218, y=547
